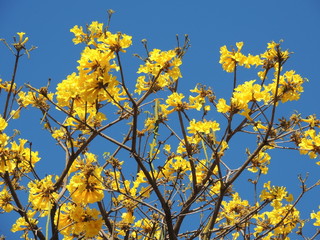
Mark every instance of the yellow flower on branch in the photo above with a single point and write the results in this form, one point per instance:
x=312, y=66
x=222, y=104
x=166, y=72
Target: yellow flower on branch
x=80, y=36
x=76, y=220
x=316, y=216
x=127, y=217
x=229, y=59
x=273, y=52
x=175, y=100
x=21, y=41
x=97, y=37
x=163, y=66
x=205, y=127
x=222, y=106
x=5, y=200
x=22, y=225
x=115, y=42
x=87, y=186
x=35, y=99
x=84, y=117
x=312, y=120
x=198, y=101
x=148, y=226
x=310, y=144
x=261, y=161
x=42, y=194
x=272, y=193
x=234, y=210
x=18, y=156
x=3, y=124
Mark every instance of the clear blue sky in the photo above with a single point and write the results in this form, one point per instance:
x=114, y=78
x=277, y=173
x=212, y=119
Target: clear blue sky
x=209, y=24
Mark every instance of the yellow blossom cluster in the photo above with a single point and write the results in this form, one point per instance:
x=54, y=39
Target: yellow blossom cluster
x=288, y=88
x=199, y=101
x=7, y=86
x=234, y=210
x=202, y=171
x=22, y=224
x=162, y=68
x=17, y=156
x=34, y=99
x=229, y=59
x=205, y=127
x=148, y=228
x=282, y=219
x=42, y=194
x=260, y=162
x=86, y=185
x=316, y=216
x=310, y=143
x=189, y=160
x=174, y=168
x=5, y=200
x=78, y=221
x=242, y=96
x=96, y=35
x=94, y=83
x=272, y=58
x=275, y=193
x=3, y=124
x=288, y=217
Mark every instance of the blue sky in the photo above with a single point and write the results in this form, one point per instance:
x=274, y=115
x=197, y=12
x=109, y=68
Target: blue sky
x=209, y=24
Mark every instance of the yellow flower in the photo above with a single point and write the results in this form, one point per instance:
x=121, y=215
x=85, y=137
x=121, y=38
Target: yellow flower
x=222, y=106
x=167, y=147
x=203, y=126
x=271, y=55
x=78, y=220
x=15, y=114
x=127, y=217
x=234, y=210
x=261, y=161
x=86, y=186
x=21, y=224
x=283, y=219
x=41, y=193
x=3, y=124
x=207, y=108
x=149, y=124
x=141, y=178
x=142, y=85
x=147, y=226
x=95, y=29
x=5, y=199
x=19, y=156
x=59, y=133
x=248, y=92
x=310, y=143
x=274, y=193
x=116, y=42
x=175, y=100
x=145, y=191
x=21, y=42
x=316, y=216
x=163, y=66
x=80, y=36
x=235, y=235
x=229, y=59
x=8, y=86
x=312, y=120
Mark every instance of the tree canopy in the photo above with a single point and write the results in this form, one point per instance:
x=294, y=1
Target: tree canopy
x=168, y=170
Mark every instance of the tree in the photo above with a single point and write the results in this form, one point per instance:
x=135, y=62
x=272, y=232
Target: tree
x=170, y=165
